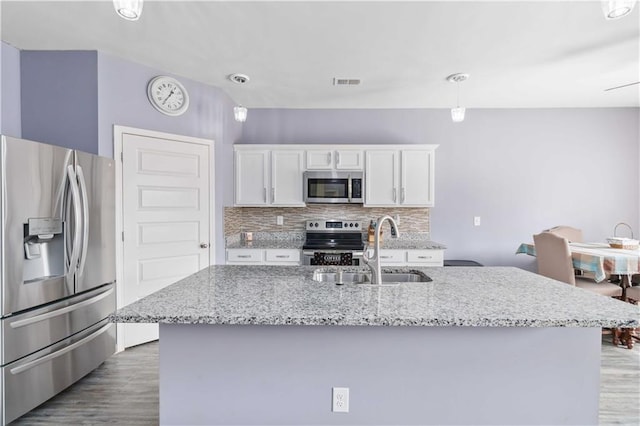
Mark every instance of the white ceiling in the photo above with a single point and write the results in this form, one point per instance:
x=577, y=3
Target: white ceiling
x=519, y=54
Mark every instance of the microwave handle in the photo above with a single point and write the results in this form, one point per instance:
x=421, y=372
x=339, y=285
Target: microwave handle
x=349, y=188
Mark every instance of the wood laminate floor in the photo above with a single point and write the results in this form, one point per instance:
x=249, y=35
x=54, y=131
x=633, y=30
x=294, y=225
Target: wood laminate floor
x=124, y=391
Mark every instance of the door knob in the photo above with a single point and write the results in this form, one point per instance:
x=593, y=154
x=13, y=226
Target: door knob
x=204, y=245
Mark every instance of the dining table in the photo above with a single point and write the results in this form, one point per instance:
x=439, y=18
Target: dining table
x=603, y=261
x=600, y=259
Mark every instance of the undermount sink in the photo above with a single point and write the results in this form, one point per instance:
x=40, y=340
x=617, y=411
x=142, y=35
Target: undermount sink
x=341, y=278
x=365, y=278
x=404, y=277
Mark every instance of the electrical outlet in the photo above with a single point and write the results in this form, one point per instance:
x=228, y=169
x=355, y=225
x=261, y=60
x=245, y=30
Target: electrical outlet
x=279, y=220
x=476, y=221
x=340, y=400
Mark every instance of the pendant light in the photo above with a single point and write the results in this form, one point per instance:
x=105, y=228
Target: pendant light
x=240, y=113
x=615, y=9
x=457, y=113
x=128, y=9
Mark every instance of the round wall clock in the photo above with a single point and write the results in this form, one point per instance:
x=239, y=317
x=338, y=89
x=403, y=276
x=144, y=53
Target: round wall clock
x=167, y=95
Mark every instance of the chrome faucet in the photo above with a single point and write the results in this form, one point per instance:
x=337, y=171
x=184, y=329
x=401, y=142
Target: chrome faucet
x=373, y=262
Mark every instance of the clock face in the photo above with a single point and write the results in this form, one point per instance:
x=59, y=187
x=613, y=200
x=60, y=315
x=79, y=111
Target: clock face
x=167, y=95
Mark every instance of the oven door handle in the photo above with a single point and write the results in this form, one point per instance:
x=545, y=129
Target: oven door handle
x=349, y=188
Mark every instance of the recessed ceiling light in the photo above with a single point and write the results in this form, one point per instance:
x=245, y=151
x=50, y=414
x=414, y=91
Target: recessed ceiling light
x=239, y=78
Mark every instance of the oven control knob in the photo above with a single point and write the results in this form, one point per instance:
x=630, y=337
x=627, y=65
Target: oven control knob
x=351, y=225
x=316, y=225
x=357, y=224
x=345, y=224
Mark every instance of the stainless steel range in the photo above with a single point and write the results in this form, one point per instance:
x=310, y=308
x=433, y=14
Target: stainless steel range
x=333, y=242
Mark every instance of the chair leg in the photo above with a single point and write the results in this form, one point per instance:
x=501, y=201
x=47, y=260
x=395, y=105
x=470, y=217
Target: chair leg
x=623, y=336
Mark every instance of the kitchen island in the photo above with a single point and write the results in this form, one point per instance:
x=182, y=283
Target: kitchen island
x=266, y=345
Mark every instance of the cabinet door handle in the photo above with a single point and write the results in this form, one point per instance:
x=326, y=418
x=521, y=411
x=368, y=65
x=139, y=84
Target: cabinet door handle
x=204, y=245
x=337, y=158
x=282, y=256
x=394, y=195
x=425, y=257
x=273, y=195
x=385, y=257
x=264, y=194
x=402, y=196
x=329, y=158
x=244, y=256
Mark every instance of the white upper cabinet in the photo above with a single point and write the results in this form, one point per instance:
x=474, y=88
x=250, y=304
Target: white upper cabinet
x=416, y=179
x=399, y=178
x=381, y=178
x=338, y=159
x=268, y=177
x=286, y=178
x=251, y=177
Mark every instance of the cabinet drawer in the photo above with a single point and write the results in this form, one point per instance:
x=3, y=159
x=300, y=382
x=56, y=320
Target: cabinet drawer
x=282, y=255
x=244, y=255
x=425, y=256
x=391, y=256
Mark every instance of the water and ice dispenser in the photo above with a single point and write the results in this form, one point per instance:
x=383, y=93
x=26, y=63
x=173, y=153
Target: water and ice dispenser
x=43, y=249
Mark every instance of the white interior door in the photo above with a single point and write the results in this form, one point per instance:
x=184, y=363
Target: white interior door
x=166, y=218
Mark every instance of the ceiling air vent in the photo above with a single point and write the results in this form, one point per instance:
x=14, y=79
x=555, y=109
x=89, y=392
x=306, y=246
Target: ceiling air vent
x=346, y=81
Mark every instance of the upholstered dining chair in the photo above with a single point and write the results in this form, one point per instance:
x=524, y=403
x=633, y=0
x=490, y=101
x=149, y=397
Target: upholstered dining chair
x=554, y=261
x=574, y=235
x=633, y=294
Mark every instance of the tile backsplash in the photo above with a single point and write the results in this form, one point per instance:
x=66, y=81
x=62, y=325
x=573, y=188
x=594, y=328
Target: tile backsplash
x=263, y=219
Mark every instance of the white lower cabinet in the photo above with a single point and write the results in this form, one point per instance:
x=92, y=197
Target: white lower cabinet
x=282, y=257
x=428, y=257
x=263, y=257
x=244, y=256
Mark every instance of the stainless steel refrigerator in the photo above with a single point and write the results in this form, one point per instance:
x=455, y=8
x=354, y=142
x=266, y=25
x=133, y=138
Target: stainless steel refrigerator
x=57, y=270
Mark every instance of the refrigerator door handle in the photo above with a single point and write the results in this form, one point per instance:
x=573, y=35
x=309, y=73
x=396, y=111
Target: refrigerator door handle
x=75, y=196
x=85, y=219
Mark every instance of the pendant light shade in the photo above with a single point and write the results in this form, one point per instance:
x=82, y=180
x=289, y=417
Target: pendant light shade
x=240, y=113
x=128, y=9
x=615, y=9
x=457, y=114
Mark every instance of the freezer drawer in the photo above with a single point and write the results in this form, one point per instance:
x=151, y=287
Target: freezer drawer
x=30, y=381
x=33, y=330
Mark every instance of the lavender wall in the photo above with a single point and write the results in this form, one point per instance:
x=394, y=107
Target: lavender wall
x=59, y=91
x=521, y=170
x=10, y=121
x=122, y=100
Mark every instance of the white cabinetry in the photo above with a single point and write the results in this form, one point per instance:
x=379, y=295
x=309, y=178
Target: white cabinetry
x=395, y=175
x=338, y=159
x=399, y=257
x=252, y=256
x=399, y=178
x=268, y=177
x=251, y=177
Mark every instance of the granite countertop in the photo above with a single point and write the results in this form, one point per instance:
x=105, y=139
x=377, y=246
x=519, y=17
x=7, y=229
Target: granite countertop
x=457, y=296
x=402, y=244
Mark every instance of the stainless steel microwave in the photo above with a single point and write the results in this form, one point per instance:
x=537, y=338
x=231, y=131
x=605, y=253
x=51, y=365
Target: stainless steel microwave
x=339, y=187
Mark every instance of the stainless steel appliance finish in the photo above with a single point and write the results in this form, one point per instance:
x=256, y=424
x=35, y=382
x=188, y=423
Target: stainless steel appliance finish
x=58, y=270
x=333, y=242
x=341, y=187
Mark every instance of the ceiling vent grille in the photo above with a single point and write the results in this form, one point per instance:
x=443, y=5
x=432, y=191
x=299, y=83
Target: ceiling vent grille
x=346, y=81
